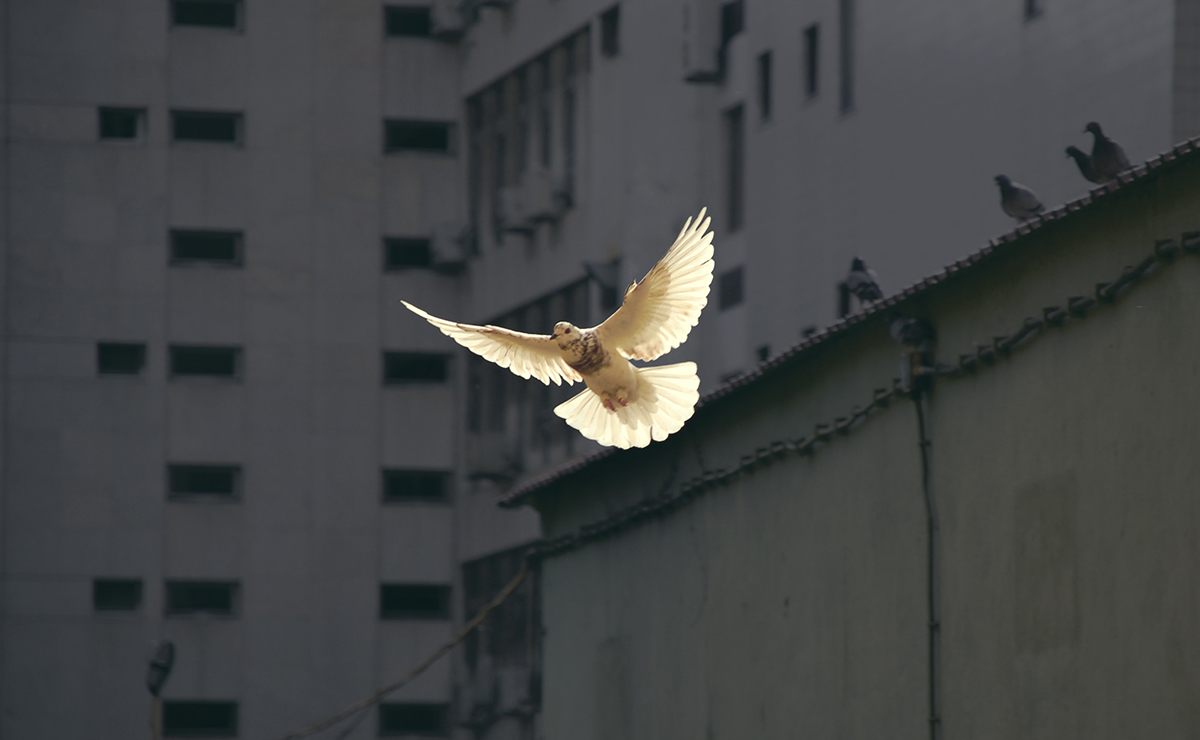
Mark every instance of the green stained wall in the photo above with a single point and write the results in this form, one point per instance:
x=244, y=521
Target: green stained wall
x=792, y=601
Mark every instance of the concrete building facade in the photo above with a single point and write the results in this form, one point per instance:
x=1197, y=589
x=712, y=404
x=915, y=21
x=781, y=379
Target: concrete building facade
x=769, y=572
x=221, y=428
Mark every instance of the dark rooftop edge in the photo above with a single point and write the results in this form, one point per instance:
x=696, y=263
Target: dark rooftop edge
x=1190, y=147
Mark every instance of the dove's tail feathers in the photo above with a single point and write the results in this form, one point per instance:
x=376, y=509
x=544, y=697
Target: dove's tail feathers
x=666, y=398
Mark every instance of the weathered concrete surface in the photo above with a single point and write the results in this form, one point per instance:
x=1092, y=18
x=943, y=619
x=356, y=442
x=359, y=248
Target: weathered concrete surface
x=792, y=602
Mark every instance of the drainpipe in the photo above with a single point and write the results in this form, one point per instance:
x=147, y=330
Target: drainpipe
x=921, y=398
x=917, y=336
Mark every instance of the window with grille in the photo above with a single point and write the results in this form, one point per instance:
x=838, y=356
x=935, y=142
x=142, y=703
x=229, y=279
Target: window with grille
x=116, y=594
x=120, y=358
x=427, y=486
x=220, y=127
x=210, y=362
x=414, y=601
x=121, y=123
x=199, y=718
x=418, y=136
x=207, y=246
x=408, y=20
x=202, y=597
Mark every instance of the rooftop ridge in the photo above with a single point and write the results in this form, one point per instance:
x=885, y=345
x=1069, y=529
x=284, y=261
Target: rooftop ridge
x=1134, y=174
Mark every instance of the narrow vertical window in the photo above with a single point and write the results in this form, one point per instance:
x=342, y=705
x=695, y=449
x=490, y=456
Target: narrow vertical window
x=545, y=119
x=764, y=85
x=569, y=100
x=730, y=291
x=475, y=165
x=610, y=31
x=734, y=164
x=812, y=56
x=522, y=116
x=1033, y=9
x=846, y=32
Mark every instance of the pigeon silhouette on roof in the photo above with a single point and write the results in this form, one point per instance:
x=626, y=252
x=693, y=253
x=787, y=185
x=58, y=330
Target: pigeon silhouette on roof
x=1108, y=158
x=1017, y=200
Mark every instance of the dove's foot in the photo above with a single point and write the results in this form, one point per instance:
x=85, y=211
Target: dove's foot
x=622, y=401
x=608, y=404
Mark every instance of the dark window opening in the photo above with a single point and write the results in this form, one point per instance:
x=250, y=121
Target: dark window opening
x=414, y=602
x=116, y=594
x=120, y=123
x=426, y=720
x=763, y=353
x=1033, y=8
x=200, y=718
x=417, y=136
x=415, y=485
x=207, y=13
x=731, y=289
x=734, y=180
x=407, y=252
x=732, y=21
x=610, y=31
x=407, y=20
x=404, y=367
x=764, y=85
x=120, y=358
x=522, y=121
x=215, y=362
x=545, y=114
x=221, y=481
x=846, y=30
x=206, y=126
x=201, y=597
x=812, y=46
x=221, y=247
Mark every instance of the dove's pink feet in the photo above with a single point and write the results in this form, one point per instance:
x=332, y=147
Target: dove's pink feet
x=608, y=404
x=622, y=401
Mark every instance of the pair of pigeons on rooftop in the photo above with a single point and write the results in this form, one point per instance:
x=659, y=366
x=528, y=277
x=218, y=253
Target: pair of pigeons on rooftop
x=1106, y=161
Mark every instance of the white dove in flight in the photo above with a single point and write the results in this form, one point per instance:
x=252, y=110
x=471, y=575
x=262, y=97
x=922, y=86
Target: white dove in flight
x=624, y=405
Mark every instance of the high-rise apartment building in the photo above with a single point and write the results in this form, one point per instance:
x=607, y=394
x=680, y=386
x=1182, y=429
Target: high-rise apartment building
x=221, y=428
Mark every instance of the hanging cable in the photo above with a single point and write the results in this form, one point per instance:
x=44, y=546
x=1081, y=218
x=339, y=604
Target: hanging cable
x=363, y=704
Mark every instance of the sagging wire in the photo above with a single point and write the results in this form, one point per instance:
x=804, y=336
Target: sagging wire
x=366, y=703
x=1076, y=308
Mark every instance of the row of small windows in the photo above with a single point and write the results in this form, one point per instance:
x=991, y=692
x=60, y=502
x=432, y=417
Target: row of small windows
x=401, y=601
x=129, y=358
x=227, y=127
x=220, y=719
x=398, y=20
x=187, y=482
x=227, y=248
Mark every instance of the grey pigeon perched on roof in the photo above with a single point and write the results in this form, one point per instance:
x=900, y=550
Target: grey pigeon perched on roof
x=1017, y=200
x=1085, y=165
x=1108, y=158
x=862, y=282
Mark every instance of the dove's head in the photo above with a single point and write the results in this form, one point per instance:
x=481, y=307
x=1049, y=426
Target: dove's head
x=1092, y=128
x=1003, y=181
x=565, y=333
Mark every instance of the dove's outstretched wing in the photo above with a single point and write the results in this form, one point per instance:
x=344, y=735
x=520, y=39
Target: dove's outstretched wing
x=527, y=355
x=659, y=312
